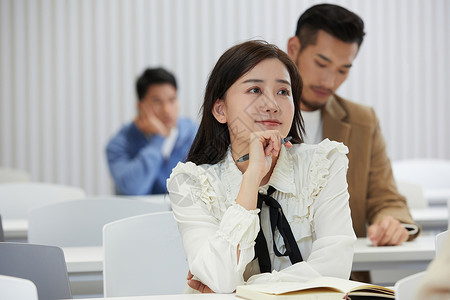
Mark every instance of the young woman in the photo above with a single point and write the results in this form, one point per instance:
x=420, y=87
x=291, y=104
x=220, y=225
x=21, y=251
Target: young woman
x=281, y=215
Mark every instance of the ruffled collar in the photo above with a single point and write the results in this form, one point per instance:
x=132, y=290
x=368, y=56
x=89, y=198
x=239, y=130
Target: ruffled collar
x=282, y=178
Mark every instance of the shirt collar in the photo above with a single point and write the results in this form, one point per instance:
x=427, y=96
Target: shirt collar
x=282, y=178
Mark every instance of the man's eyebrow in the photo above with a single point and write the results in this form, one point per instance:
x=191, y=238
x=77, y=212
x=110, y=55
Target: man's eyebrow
x=348, y=66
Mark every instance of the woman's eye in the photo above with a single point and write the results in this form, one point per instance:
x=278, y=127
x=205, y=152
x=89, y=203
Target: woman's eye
x=284, y=92
x=320, y=65
x=255, y=91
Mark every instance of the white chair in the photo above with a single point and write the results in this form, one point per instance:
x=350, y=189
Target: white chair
x=80, y=222
x=17, y=288
x=413, y=193
x=17, y=199
x=429, y=173
x=143, y=255
x=13, y=175
x=405, y=289
x=440, y=240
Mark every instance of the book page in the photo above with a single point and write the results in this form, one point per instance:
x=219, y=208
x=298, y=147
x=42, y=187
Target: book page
x=278, y=288
x=338, y=284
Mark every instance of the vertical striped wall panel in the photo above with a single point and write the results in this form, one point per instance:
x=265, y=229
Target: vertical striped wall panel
x=68, y=70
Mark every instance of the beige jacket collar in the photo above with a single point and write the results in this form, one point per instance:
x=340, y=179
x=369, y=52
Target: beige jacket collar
x=334, y=121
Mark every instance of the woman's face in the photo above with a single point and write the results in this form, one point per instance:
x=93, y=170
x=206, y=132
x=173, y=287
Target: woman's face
x=259, y=100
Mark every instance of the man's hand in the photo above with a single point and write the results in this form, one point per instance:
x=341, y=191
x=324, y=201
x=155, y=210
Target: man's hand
x=149, y=123
x=197, y=285
x=387, y=232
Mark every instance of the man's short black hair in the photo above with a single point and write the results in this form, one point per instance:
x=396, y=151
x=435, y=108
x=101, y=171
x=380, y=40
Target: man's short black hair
x=333, y=19
x=153, y=76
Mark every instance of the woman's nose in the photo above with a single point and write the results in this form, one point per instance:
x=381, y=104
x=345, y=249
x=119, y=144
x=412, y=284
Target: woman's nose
x=268, y=104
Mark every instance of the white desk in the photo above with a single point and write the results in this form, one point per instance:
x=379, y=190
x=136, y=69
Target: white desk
x=16, y=230
x=85, y=264
x=432, y=218
x=437, y=196
x=411, y=255
x=85, y=268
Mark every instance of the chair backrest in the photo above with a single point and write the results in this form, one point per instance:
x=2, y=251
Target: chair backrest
x=429, y=173
x=17, y=199
x=13, y=175
x=80, y=222
x=143, y=255
x=413, y=193
x=45, y=266
x=17, y=288
x=440, y=240
x=2, y=233
x=405, y=289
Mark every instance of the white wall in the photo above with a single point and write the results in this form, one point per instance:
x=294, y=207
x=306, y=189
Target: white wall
x=68, y=70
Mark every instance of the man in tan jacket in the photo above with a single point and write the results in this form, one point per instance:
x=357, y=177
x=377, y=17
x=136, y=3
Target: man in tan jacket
x=326, y=42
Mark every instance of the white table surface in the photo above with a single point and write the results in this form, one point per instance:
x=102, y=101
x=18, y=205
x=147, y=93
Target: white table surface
x=437, y=196
x=15, y=229
x=367, y=257
x=410, y=255
x=432, y=218
x=85, y=264
x=84, y=259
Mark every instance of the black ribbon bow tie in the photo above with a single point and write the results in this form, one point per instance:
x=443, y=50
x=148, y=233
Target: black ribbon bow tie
x=279, y=221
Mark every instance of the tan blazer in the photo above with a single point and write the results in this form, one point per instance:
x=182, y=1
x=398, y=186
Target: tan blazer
x=371, y=185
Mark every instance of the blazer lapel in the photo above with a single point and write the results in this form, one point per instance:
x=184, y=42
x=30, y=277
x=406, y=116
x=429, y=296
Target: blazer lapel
x=334, y=125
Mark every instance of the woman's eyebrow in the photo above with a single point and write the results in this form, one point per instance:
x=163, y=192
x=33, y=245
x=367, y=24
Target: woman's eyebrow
x=283, y=81
x=260, y=80
x=253, y=80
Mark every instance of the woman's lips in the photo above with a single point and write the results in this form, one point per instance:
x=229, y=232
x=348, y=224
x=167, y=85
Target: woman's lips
x=269, y=122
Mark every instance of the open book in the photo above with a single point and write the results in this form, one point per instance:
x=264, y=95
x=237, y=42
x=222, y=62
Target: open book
x=317, y=288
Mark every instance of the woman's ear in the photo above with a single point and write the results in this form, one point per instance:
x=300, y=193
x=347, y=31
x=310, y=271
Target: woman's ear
x=293, y=47
x=218, y=111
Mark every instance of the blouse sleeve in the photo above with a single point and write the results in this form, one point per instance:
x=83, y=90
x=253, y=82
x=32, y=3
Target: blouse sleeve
x=211, y=242
x=333, y=235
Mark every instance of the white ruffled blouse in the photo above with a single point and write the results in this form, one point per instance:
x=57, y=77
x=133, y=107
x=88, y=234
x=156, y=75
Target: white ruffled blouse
x=311, y=187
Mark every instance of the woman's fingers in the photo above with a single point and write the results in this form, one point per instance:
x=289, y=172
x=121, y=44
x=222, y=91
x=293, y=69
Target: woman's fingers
x=270, y=141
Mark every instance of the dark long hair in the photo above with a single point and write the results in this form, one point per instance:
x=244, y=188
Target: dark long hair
x=212, y=140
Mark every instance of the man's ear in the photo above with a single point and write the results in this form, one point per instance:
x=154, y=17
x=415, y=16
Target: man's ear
x=293, y=47
x=218, y=111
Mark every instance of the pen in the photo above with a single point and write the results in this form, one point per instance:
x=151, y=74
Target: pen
x=245, y=157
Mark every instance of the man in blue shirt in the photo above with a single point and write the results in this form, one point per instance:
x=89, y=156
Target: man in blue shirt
x=142, y=155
